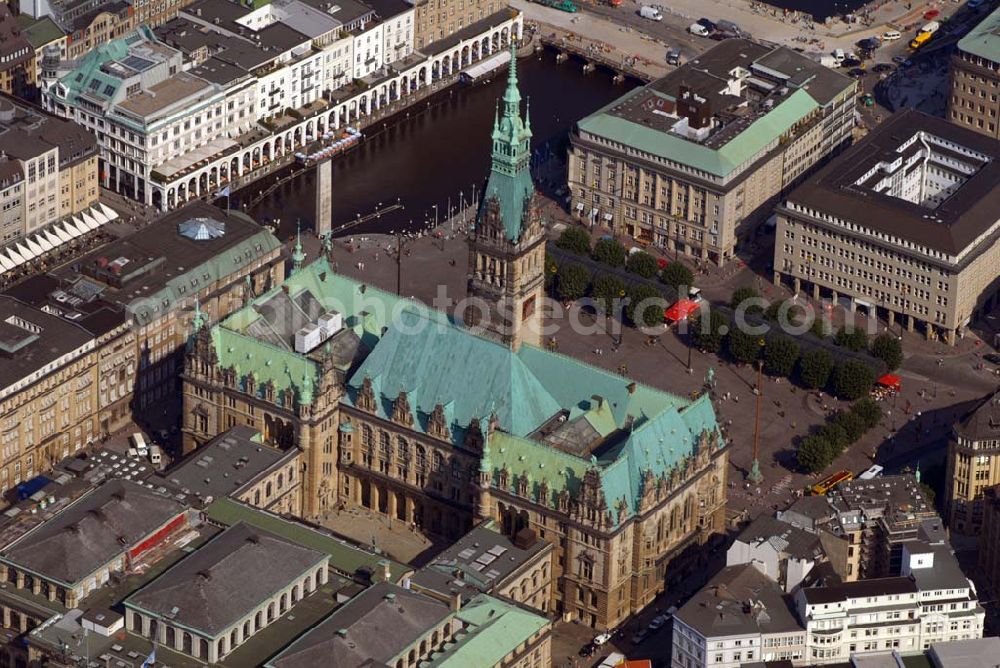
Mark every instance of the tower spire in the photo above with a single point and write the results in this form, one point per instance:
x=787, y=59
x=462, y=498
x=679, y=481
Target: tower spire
x=298, y=256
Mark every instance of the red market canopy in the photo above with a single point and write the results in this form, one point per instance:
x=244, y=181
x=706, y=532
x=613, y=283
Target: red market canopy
x=890, y=380
x=680, y=310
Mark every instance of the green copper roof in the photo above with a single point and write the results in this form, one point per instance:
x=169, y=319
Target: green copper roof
x=438, y=363
x=721, y=162
x=420, y=351
x=492, y=630
x=344, y=557
x=39, y=32
x=226, y=263
x=984, y=39
x=510, y=176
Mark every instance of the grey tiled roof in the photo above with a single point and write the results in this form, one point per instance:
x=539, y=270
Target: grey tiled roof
x=93, y=531
x=368, y=631
x=226, y=579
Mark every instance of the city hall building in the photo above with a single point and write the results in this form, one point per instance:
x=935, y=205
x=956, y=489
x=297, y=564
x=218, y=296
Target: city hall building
x=400, y=409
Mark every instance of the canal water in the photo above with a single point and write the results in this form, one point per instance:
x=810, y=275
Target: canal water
x=437, y=153
x=822, y=9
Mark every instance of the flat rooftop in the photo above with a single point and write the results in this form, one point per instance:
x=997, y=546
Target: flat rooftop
x=165, y=94
x=483, y=557
x=92, y=531
x=226, y=464
x=31, y=339
x=722, y=109
x=984, y=39
x=159, y=263
x=883, y=183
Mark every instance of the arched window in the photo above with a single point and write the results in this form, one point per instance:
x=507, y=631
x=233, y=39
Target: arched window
x=367, y=439
x=421, y=458
x=234, y=638
x=403, y=449
x=281, y=480
x=384, y=445
x=456, y=468
x=268, y=490
x=438, y=461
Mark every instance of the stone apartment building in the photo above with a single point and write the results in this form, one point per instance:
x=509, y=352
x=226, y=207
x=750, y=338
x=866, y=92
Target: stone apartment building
x=18, y=71
x=974, y=101
x=989, y=536
x=903, y=225
x=58, y=164
x=436, y=20
x=398, y=409
x=58, y=382
x=694, y=161
x=973, y=465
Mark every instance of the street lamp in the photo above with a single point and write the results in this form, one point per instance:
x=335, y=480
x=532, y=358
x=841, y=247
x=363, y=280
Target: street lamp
x=755, y=476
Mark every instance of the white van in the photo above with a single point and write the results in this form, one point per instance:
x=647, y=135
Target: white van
x=872, y=473
x=698, y=29
x=839, y=55
x=155, y=455
x=139, y=441
x=651, y=13
x=891, y=35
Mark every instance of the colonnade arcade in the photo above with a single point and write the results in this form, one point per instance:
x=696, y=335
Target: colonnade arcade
x=207, y=180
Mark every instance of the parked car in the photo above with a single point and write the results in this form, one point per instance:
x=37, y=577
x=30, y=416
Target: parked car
x=857, y=73
x=931, y=14
x=891, y=35
x=881, y=68
x=850, y=61
x=673, y=57
x=651, y=13
x=602, y=638
x=588, y=650
x=709, y=25
x=657, y=622
x=639, y=636
x=698, y=29
x=992, y=358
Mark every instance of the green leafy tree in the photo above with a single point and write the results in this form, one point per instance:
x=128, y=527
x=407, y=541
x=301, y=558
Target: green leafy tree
x=852, y=380
x=575, y=240
x=889, y=349
x=815, y=367
x=743, y=294
x=709, y=331
x=852, y=424
x=606, y=289
x=744, y=347
x=610, y=252
x=780, y=355
x=814, y=453
x=852, y=338
x=649, y=303
x=676, y=274
x=572, y=281
x=836, y=436
x=642, y=264
x=868, y=410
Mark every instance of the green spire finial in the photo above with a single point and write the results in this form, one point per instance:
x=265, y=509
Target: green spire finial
x=916, y=474
x=198, y=319
x=485, y=466
x=298, y=256
x=527, y=115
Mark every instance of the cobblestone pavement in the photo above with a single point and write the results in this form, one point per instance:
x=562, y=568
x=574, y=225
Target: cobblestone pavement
x=393, y=537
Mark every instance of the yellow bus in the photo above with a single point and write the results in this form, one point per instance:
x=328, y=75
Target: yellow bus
x=831, y=481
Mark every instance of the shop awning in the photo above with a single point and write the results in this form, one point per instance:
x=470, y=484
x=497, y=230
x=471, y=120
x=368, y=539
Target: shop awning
x=680, y=310
x=890, y=380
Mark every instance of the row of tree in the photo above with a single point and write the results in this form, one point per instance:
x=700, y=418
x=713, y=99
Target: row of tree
x=782, y=355
x=820, y=448
x=572, y=281
x=612, y=253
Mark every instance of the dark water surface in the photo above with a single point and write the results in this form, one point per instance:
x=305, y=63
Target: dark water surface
x=440, y=149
